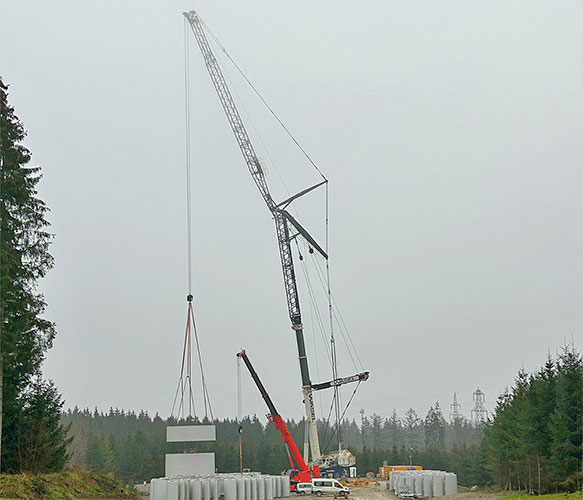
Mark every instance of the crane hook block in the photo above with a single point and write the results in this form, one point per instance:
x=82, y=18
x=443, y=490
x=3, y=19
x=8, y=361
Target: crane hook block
x=189, y=297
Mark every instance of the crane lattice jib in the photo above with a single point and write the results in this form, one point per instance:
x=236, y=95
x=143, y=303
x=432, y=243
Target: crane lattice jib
x=253, y=165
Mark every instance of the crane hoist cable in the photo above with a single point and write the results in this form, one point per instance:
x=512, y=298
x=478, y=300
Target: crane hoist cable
x=287, y=131
x=344, y=412
x=240, y=414
x=184, y=387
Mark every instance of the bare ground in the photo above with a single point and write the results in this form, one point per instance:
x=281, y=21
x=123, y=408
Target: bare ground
x=373, y=492
x=381, y=492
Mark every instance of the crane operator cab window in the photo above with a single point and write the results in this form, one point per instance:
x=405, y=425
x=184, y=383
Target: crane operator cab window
x=329, y=486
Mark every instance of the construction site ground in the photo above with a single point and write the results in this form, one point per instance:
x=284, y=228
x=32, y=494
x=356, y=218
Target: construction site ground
x=372, y=492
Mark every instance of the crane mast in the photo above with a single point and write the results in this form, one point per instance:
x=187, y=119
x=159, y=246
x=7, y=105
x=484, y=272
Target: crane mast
x=283, y=220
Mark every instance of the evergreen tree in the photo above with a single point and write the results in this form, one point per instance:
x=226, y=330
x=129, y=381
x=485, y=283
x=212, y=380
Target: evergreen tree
x=394, y=429
x=435, y=428
x=42, y=440
x=24, y=258
x=565, y=425
x=411, y=425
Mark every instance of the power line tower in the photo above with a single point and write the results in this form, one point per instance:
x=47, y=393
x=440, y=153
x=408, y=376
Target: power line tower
x=479, y=412
x=456, y=410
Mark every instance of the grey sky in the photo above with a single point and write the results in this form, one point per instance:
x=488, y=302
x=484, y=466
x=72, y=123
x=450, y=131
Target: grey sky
x=451, y=134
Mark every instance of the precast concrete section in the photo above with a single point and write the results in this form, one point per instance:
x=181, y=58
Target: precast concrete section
x=426, y=483
x=233, y=486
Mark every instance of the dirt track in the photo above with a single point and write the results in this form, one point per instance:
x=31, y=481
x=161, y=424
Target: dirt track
x=382, y=493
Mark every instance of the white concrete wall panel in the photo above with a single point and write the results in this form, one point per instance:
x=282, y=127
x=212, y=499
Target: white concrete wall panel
x=240, y=489
x=450, y=484
x=230, y=489
x=195, y=488
x=190, y=464
x=285, y=486
x=253, y=488
x=268, y=488
x=418, y=484
x=438, y=485
x=158, y=489
x=190, y=433
x=427, y=485
x=260, y=488
x=172, y=492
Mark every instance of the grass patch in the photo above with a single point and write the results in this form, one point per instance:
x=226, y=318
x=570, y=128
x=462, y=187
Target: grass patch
x=67, y=485
x=552, y=496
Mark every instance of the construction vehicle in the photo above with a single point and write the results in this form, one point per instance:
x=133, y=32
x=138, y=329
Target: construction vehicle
x=300, y=472
x=288, y=229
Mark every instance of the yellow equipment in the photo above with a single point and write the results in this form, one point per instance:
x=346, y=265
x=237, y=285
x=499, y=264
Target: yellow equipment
x=384, y=471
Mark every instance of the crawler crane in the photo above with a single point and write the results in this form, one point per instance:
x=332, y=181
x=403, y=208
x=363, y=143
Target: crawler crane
x=286, y=226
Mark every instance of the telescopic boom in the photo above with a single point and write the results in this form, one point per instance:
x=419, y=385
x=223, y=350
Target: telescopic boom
x=300, y=471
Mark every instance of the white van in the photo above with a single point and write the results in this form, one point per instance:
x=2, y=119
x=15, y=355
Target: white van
x=321, y=486
x=304, y=488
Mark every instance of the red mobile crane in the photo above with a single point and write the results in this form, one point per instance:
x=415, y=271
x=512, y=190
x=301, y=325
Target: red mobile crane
x=300, y=472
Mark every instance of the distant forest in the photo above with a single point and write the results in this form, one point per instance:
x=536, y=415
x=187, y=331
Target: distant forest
x=133, y=446
x=533, y=442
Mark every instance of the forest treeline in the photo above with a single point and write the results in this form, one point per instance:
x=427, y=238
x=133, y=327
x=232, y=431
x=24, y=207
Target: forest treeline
x=535, y=440
x=532, y=443
x=133, y=445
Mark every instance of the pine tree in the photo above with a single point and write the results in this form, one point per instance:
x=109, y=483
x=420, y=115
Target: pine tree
x=24, y=258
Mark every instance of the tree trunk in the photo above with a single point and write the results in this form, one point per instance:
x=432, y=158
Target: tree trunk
x=1, y=396
x=538, y=464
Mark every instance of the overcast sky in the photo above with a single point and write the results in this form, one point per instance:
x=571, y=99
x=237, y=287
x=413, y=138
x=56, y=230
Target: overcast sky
x=451, y=135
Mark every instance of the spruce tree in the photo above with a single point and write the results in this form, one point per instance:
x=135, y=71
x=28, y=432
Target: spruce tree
x=565, y=423
x=42, y=440
x=435, y=429
x=24, y=258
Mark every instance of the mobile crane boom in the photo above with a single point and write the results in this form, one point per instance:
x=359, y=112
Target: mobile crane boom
x=300, y=471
